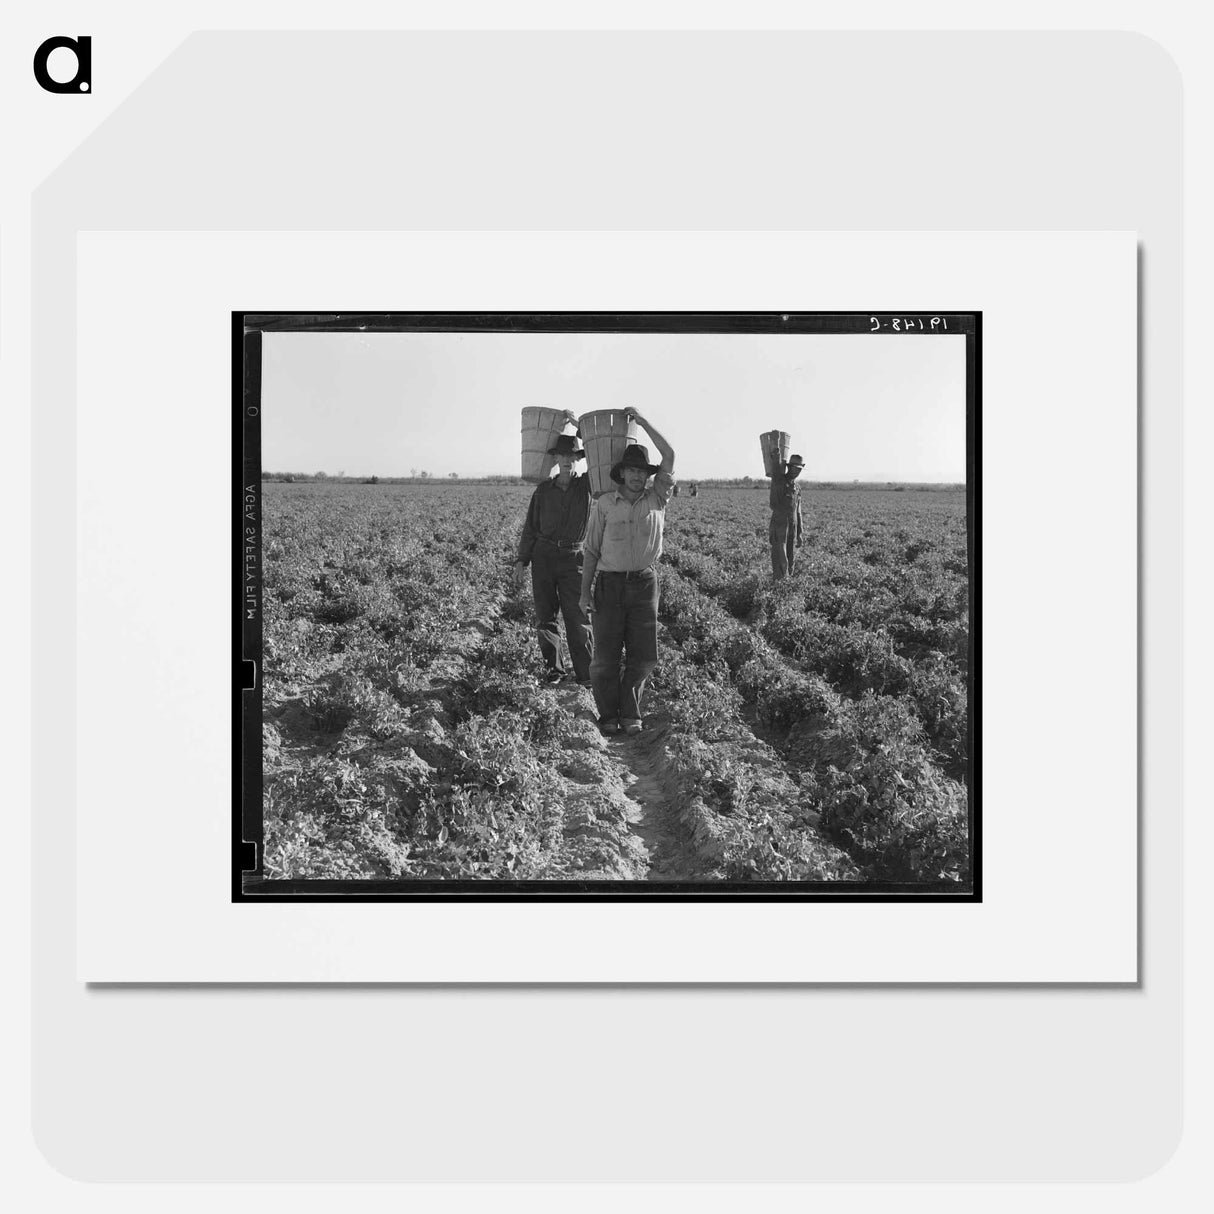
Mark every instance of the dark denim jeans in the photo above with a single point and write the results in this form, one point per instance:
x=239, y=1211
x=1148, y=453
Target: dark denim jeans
x=625, y=625
x=556, y=586
x=783, y=545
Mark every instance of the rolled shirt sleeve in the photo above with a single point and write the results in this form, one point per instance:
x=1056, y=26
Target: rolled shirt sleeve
x=625, y=536
x=663, y=486
x=594, y=530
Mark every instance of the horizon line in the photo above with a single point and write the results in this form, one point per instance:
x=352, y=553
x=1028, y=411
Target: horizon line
x=515, y=476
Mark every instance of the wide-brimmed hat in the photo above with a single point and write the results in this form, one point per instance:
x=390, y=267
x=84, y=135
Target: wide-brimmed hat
x=796, y=461
x=566, y=444
x=636, y=456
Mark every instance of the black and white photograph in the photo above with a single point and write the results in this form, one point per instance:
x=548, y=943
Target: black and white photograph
x=665, y=605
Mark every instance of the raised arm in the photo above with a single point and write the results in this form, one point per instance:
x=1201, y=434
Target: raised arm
x=664, y=448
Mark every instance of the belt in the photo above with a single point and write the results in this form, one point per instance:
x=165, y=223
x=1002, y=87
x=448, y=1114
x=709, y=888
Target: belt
x=565, y=545
x=628, y=574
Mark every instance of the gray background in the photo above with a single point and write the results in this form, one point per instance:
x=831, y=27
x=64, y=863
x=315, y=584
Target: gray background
x=621, y=131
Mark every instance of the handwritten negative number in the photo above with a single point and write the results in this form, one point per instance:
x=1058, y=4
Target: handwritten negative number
x=903, y=325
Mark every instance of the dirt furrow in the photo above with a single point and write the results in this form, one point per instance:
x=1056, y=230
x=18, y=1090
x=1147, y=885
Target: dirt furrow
x=616, y=791
x=651, y=813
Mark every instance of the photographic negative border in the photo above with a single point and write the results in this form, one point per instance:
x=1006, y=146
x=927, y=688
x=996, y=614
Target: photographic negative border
x=248, y=885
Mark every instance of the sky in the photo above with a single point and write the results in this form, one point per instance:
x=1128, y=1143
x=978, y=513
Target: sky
x=868, y=407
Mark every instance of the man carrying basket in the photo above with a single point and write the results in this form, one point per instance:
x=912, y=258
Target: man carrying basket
x=785, y=500
x=623, y=544
x=551, y=542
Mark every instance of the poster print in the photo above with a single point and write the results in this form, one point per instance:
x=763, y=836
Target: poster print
x=579, y=606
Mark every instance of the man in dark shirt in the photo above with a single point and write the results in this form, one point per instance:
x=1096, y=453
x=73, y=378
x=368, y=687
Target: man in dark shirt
x=785, y=517
x=551, y=542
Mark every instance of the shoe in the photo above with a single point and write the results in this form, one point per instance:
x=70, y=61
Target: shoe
x=585, y=683
x=553, y=676
x=631, y=725
x=609, y=728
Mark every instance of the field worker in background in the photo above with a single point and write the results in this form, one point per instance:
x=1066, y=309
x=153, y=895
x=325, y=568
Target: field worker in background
x=623, y=544
x=785, y=517
x=551, y=543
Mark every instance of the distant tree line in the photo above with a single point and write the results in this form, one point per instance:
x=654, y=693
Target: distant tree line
x=744, y=482
x=417, y=475
x=762, y=482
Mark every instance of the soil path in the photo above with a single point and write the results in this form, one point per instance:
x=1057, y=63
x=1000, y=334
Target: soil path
x=631, y=792
x=649, y=810
x=652, y=833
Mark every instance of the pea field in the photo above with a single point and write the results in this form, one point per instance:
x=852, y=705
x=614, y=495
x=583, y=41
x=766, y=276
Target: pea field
x=812, y=730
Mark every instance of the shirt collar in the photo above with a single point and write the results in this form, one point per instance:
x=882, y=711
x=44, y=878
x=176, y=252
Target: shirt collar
x=619, y=495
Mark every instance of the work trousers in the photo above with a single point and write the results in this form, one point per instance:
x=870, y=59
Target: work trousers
x=783, y=545
x=625, y=625
x=556, y=586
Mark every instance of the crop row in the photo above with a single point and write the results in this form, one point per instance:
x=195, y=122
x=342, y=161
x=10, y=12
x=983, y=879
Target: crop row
x=408, y=736
x=866, y=771
x=852, y=659
x=416, y=759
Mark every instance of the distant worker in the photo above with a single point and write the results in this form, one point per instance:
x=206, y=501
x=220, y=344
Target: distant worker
x=676, y=491
x=694, y=490
x=785, y=517
x=623, y=545
x=552, y=542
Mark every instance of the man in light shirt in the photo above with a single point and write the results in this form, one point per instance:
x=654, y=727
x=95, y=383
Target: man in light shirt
x=623, y=544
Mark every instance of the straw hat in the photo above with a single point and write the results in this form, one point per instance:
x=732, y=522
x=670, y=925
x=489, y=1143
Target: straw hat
x=636, y=456
x=795, y=461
